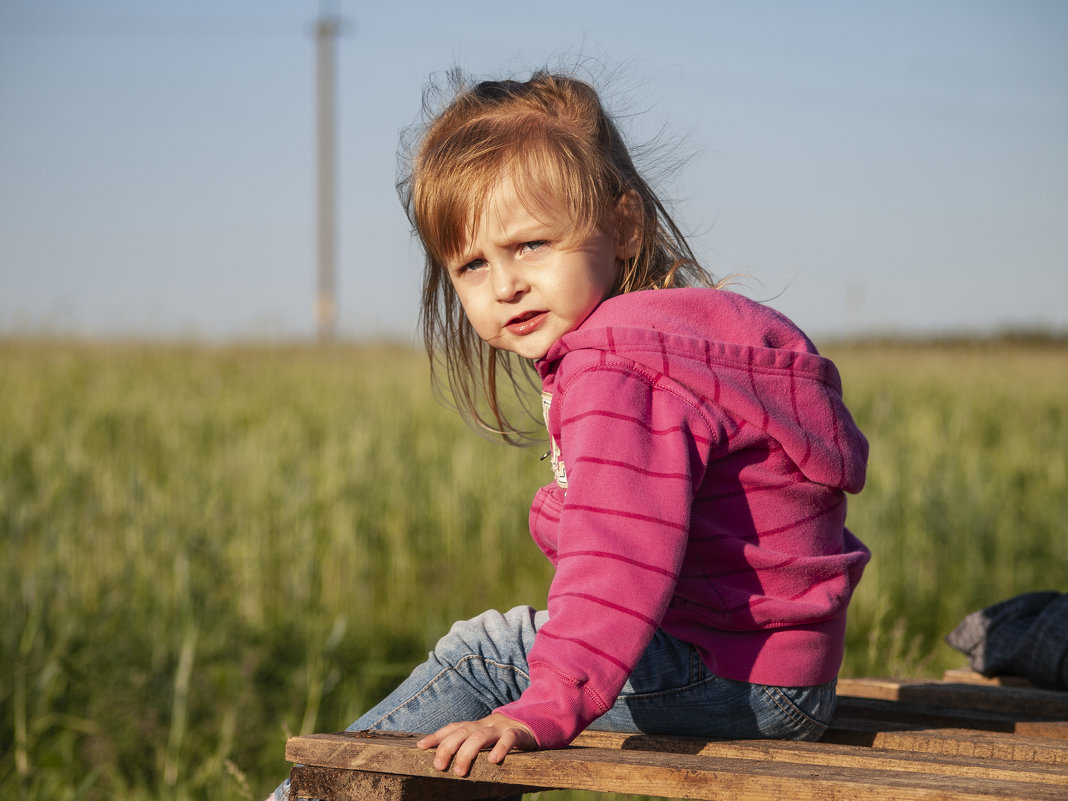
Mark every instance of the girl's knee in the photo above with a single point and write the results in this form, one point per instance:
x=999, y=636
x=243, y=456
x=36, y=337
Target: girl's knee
x=492, y=634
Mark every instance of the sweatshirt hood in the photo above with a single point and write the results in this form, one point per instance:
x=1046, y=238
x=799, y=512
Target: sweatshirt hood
x=739, y=357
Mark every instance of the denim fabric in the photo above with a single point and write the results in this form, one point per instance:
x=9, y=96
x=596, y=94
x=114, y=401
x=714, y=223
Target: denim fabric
x=1027, y=636
x=482, y=663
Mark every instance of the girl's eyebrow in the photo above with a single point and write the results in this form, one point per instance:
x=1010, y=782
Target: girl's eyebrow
x=526, y=233
x=461, y=258
x=529, y=229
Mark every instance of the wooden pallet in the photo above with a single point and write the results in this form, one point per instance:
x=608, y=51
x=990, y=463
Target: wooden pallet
x=891, y=740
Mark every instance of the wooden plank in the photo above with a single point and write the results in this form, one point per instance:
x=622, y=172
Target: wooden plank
x=912, y=720
x=669, y=775
x=894, y=714
x=1053, y=729
x=969, y=676
x=962, y=740
x=1011, y=765
x=953, y=743
x=1023, y=702
x=308, y=781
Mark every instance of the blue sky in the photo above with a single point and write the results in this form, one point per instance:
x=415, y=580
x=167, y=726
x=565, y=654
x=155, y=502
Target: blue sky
x=867, y=166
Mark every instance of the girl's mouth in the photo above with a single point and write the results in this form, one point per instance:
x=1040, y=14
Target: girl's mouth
x=526, y=323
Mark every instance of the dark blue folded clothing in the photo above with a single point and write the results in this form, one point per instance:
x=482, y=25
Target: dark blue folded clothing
x=1024, y=636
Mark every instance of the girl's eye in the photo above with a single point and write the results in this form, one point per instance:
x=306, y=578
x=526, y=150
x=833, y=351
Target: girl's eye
x=471, y=266
x=535, y=245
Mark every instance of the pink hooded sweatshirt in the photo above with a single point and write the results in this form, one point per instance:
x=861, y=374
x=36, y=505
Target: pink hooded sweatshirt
x=702, y=453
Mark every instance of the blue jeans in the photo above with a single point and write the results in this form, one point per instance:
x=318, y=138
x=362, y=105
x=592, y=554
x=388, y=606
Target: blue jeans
x=481, y=664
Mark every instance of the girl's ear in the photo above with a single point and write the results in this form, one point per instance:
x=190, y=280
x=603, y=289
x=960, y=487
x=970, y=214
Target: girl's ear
x=628, y=225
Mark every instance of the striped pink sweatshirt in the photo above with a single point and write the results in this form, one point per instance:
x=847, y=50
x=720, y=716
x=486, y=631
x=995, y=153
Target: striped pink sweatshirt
x=702, y=453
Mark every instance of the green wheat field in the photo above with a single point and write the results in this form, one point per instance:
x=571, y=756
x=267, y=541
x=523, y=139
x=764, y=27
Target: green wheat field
x=205, y=549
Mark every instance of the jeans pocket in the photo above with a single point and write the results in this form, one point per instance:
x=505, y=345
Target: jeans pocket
x=667, y=666
x=804, y=713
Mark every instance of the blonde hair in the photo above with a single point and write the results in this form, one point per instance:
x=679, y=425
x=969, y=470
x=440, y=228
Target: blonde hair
x=551, y=136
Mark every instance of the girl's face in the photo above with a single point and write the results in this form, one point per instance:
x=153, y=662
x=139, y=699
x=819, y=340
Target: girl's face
x=523, y=282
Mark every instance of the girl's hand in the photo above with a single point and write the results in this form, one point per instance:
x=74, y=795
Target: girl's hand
x=459, y=743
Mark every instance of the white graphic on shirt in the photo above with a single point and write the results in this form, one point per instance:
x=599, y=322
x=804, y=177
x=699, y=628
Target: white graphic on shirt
x=554, y=450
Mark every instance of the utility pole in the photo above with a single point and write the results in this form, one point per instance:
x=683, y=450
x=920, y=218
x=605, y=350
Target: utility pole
x=326, y=30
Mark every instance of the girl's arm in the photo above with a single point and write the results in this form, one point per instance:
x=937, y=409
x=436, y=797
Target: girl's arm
x=634, y=447
x=634, y=450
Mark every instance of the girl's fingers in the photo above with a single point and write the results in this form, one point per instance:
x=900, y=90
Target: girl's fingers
x=433, y=740
x=459, y=744
x=503, y=746
x=466, y=751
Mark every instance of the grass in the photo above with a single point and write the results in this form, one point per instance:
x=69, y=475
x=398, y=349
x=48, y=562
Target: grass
x=204, y=549
x=965, y=500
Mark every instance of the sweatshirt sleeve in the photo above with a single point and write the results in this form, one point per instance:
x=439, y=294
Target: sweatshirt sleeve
x=632, y=450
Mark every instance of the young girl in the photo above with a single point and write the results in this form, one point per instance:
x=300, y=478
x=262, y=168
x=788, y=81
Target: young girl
x=700, y=451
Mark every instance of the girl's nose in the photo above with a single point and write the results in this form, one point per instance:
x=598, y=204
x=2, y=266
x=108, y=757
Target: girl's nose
x=508, y=282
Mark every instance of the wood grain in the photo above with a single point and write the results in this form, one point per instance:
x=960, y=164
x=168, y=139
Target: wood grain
x=891, y=740
x=685, y=775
